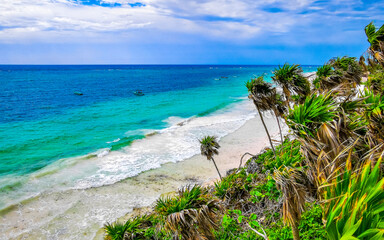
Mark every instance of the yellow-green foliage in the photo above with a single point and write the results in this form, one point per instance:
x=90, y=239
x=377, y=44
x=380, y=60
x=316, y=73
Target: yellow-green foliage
x=287, y=154
x=354, y=204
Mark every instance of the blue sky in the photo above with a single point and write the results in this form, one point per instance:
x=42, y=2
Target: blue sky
x=183, y=31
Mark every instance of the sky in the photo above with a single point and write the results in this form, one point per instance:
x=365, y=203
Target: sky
x=184, y=31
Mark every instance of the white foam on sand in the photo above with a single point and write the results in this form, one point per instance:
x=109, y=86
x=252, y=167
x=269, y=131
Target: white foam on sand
x=173, y=144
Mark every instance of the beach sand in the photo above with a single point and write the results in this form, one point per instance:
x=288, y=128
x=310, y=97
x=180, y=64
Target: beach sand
x=79, y=214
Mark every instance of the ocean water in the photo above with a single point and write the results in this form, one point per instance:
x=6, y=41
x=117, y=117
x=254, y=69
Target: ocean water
x=52, y=139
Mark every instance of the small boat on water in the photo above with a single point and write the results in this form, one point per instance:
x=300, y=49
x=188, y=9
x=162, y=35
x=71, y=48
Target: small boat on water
x=138, y=93
x=78, y=93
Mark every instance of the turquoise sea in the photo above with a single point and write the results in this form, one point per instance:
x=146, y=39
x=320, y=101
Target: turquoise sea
x=49, y=135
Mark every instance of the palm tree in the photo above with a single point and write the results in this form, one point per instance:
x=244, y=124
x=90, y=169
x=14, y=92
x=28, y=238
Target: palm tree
x=208, y=148
x=290, y=78
x=375, y=39
x=278, y=108
x=347, y=69
x=322, y=73
x=294, y=186
x=260, y=91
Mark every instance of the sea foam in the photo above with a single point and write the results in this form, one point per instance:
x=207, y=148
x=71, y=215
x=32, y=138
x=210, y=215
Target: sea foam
x=175, y=143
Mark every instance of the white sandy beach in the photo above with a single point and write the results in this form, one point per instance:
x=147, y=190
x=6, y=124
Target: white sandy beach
x=79, y=214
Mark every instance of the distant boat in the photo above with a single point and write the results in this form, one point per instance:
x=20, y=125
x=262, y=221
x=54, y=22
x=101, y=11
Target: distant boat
x=217, y=79
x=224, y=77
x=138, y=93
x=78, y=93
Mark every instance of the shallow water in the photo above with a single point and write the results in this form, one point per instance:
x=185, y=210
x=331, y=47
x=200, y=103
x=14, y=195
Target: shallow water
x=53, y=140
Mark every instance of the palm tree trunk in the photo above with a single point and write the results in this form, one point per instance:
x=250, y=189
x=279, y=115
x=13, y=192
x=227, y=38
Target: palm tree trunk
x=213, y=160
x=266, y=130
x=278, y=123
x=295, y=232
x=288, y=97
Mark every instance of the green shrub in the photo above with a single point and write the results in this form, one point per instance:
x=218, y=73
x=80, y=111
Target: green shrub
x=287, y=154
x=234, y=186
x=311, y=227
x=141, y=227
x=188, y=197
x=115, y=231
x=265, y=190
x=376, y=82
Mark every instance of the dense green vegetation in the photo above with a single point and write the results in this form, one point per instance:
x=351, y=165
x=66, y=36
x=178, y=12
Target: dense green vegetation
x=323, y=181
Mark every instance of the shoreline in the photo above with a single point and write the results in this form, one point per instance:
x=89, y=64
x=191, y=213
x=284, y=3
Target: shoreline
x=79, y=214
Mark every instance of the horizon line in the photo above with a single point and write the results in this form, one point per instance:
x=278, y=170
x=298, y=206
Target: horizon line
x=144, y=64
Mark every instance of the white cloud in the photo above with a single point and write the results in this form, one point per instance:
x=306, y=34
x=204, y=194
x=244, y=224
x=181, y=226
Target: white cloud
x=63, y=20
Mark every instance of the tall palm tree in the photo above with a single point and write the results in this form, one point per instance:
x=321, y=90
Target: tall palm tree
x=291, y=79
x=260, y=91
x=376, y=41
x=209, y=147
x=278, y=108
x=293, y=185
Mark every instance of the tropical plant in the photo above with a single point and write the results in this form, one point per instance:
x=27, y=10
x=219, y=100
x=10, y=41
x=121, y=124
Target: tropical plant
x=233, y=187
x=376, y=82
x=311, y=226
x=290, y=78
x=362, y=64
x=276, y=104
x=190, y=214
x=287, y=154
x=339, y=74
x=374, y=115
x=305, y=119
x=115, y=231
x=259, y=92
x=348, y=68
x=354, y=203
x=323, y=72
x=375, y=39
x=140, y=227
x=293, y=184
x=208, y=148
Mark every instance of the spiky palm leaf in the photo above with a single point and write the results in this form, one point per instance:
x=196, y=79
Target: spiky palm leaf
x=353, y=203
x=189, y=215
x=305, y=119
x=115, y=231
